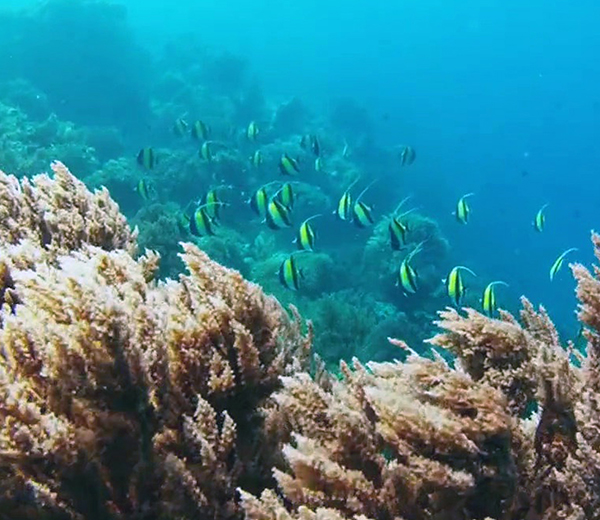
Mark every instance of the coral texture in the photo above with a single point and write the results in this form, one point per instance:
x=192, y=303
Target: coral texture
x=121, y=397
x=510, y=431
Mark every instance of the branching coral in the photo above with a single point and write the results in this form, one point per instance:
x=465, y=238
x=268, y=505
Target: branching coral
x=422, y=440
x=120, y=397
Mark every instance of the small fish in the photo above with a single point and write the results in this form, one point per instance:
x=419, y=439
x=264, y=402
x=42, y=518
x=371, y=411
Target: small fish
x=252, y=131
x=213, y=204
x=259, y=201
x=286, y=195
x=206, y=151
x=462, y=209
x=201, y=224
x=183, y=222
x=488, y=300
x=257, y=159
x=180, y=127
x=306, y=236
x=319, y=164
x=305, y=142
x=362, y=213
x=288, y=166
x=200, y=131
x=145, y=190
x=407, y=155
x=344, y=207
x=559, y=262
x=277, y=215
x=539, y=222
x=289, y=274
x=146, y=158
x=346, y=150
x=408, y=277
x=455, y=285
x=315, y=145
x=397, y=229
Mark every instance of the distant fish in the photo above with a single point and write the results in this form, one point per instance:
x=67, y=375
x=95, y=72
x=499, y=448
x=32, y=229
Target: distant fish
x=408, y=277
x=286, y=195
x=488, y=300
x=257, y=159
x=398, y=229
x=213, y=203
x=346, y=150
x=558, y=263
x=407, y=155
x=539, y=221
x=146, y=158
x=344, y=207
x=206, y=152
x=319, y=164
x=463, y=210
x=183, y=222
x=277, y=215
x=288, y=165
x=315, y=145
x=200, y=131
x=455, y=286
x=201, y=224
x=145, y=190
x=362, y=214
x=259, y=201
x=252, y=131
x=180, y=127
x=289, y=274
x=306, y=236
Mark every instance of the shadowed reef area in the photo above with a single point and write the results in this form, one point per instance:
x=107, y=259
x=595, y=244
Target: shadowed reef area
x=123, y=397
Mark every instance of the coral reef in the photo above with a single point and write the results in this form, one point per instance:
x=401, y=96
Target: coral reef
x=509, y=432
x=121, y=397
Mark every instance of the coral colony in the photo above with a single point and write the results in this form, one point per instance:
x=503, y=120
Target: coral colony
x=124, y=397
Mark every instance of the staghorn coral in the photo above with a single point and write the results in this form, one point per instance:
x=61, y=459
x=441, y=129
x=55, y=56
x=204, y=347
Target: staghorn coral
x=423, y=440
x=121, y=397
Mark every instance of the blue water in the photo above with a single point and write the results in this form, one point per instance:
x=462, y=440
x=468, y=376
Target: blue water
x=499, y=98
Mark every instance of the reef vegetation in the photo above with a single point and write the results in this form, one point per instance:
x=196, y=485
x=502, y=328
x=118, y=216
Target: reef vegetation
x=124, y=397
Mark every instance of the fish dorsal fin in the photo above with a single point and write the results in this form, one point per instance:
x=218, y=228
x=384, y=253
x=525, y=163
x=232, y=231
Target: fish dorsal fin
x=402, y=202
x=464, y=268
x=365, y=190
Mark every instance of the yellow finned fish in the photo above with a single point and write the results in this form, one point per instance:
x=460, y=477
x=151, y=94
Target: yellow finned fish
x=145, y=190
x=319, y=164
x=343, y=210
x=200, y=131
x=180, y=127
x=183, y=222
x=277, y=216
x=408, y=277
x=361, y=212
x=146, y=158
x=398, y=229
x=289, y=274
x=259, y=201
x=407, y=155
x=462, y=209
x=288, y=165
x=539, y=222
x=305, y=239
x=257, y=159
x=206, y=151
x=213, y=203
x=201, y=224
x=488, y=300
x=252, y=131
x=455, y=285
x=559, y=262
x=286, y=196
